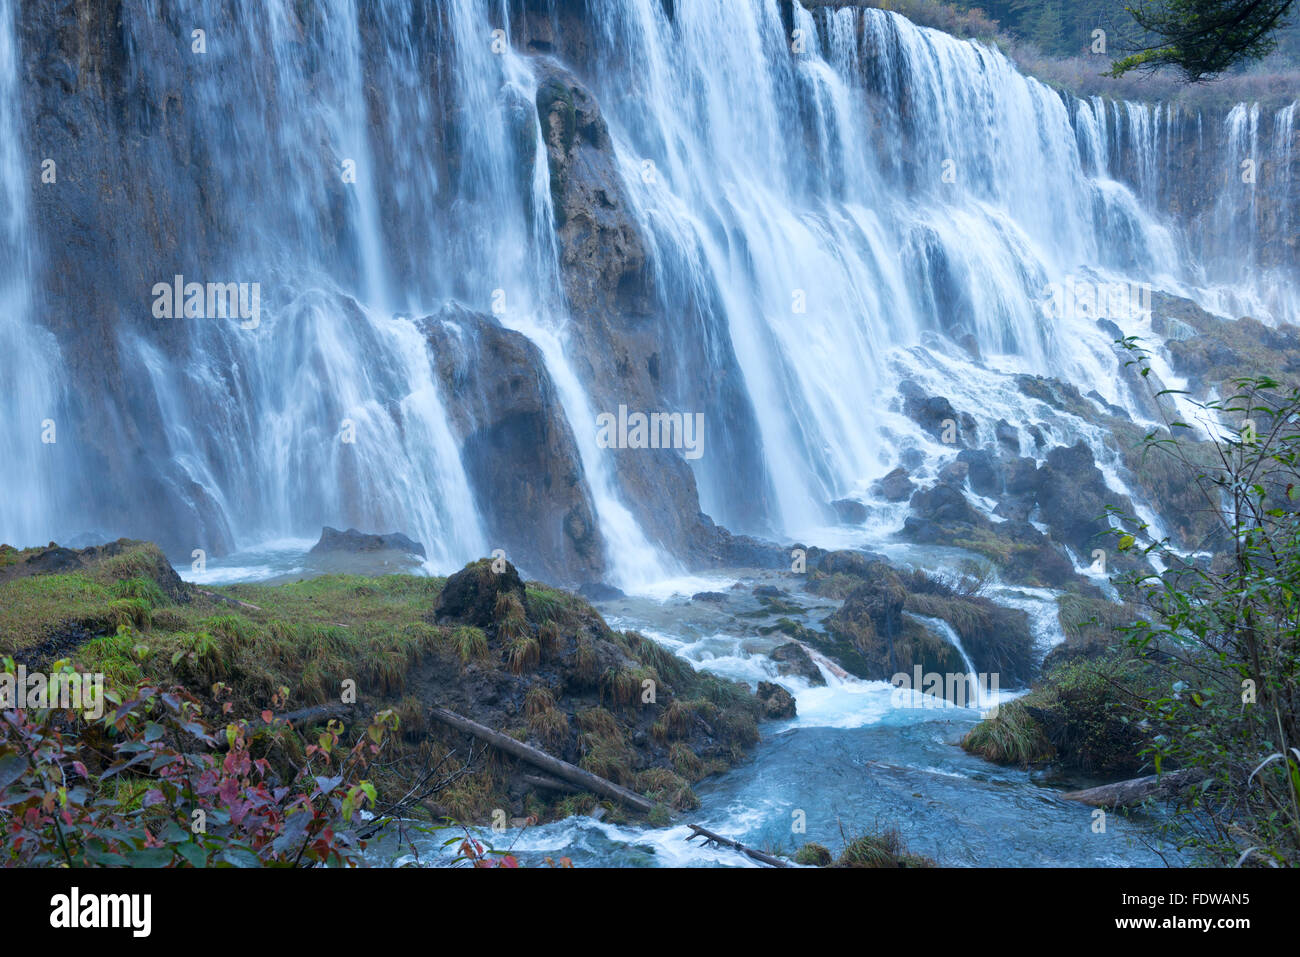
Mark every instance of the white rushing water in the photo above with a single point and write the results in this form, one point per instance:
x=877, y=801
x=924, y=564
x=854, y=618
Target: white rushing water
x=30, y=416
x=837, y=235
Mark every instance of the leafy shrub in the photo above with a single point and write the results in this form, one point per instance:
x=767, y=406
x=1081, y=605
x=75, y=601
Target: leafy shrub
x=150, y=784
x=1222, y=637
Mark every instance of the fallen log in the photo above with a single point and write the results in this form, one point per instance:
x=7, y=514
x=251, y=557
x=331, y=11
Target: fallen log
x=1136, y=790
x=821, y=659
x=584, y=780
x=710, y=837
x=548, y=784
x=316, y=713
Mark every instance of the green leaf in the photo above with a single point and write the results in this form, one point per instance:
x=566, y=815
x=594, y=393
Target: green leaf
x=194, y=855
x=240, y=857
x=149, y=857
x=12, y=767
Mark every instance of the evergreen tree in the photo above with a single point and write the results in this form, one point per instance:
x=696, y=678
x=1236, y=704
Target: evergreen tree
x=1203, y=38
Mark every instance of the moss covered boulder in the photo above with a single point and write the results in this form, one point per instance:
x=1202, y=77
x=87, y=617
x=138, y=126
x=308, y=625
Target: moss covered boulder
x=1079, y=718
x=871, y=637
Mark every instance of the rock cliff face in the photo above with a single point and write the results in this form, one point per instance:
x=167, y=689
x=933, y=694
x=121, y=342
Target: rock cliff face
x=1230, y=175
x=636, y=349
x=148, y=188
x=112, y=223
x=517, y=447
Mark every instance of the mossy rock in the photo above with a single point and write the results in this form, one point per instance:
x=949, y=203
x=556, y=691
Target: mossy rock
x=470, y=596
x=1077, y=718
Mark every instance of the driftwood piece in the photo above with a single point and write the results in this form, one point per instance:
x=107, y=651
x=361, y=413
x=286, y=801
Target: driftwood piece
x=710, y=837
x=584, y=780
x=1136, y=790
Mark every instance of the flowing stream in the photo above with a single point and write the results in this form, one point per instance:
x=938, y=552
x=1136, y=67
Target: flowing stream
x=861, y=756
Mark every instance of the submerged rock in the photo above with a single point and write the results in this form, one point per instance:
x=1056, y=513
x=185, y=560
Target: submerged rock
x=715, y=547
x=777, y=702
x=936, y=415
x=849, y=512
x=1073, y=499
x=954, y=474
x=1007, y=436
x=895, y=486
x=943, y=503
x=332, y=540
x=792, y=659
x=983, y=471
x=599, y=591
x=1021, y=552
x=846, y=562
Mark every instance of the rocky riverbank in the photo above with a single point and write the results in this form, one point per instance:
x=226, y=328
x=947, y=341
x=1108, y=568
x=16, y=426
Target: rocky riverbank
x=524, y=659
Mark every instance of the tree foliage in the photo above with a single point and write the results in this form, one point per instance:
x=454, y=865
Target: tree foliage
x=1199, y=38
x=1224, y=629
x=1203, y=38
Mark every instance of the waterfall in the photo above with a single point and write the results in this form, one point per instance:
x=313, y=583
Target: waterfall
x=1244, y=164
x=975, y=695
x=835, y=235
x=325, y=410
x=830, y=201
x=30, y=418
